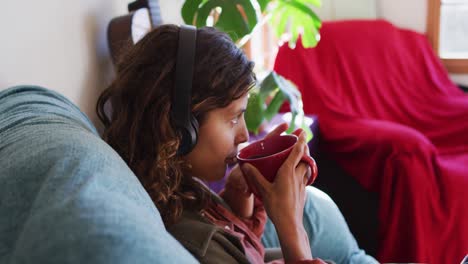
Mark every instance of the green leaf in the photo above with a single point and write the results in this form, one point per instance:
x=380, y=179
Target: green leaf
x=286, y=91
x=305, y=9
x=292, y=124
x=316, y=3
x=275, y=104
x=294, y=31
x=232, y=22
x=291, y=92
x=250, y=13
x=281, y=16
x=268, y=85
x=263, y=4
x=303, y=125
x=302, y=18
x=254, y=114
x=238, y=17
x=279, y=89
x=306, y=128
x=310, y=39
x=188, y=11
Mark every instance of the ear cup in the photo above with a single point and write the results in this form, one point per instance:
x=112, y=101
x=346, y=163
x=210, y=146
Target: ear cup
x=189, y=136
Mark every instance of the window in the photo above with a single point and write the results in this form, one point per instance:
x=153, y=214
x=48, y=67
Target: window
x=447, y=30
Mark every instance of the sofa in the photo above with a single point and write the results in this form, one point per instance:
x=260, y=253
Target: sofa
x=65, y=195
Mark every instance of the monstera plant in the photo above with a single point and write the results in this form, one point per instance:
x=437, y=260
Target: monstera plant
x=239, y=19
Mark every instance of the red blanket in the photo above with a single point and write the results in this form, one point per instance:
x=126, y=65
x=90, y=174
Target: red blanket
x=393, y=120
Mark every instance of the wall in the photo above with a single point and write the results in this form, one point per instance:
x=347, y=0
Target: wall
x=411, y=14
x=58, y=44
x=62, y=45
x=404, y=13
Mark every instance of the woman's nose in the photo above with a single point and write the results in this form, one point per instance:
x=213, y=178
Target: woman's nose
x=242, y=134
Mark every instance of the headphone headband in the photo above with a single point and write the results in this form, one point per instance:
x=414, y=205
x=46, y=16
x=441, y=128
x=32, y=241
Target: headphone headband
x=182, y=93
x=182, y=116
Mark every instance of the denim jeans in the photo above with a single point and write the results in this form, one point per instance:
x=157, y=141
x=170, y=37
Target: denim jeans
x=329, y=235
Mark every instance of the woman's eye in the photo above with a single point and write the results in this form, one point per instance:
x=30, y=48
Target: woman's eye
x=236, y=119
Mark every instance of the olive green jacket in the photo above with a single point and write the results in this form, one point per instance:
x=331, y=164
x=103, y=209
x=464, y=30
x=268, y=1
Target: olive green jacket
x=206, y=241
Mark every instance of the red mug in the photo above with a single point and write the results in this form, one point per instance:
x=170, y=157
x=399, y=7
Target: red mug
x=267, y=155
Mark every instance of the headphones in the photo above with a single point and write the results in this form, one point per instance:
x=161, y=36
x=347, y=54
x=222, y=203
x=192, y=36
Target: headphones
x=183, y=119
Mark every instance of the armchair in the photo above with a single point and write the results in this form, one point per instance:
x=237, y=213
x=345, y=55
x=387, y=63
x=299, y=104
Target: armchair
x=393, y=121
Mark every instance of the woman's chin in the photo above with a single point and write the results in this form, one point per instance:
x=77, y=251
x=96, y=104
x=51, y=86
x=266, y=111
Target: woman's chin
x=220, y=174
x=217, y=175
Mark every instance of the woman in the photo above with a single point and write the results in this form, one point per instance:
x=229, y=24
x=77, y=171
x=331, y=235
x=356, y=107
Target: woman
x=215, y=229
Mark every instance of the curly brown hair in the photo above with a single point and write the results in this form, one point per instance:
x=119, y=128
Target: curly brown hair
x=139, y=126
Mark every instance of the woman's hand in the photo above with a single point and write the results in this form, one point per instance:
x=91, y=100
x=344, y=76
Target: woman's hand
x=236, y=192
x=284, y=200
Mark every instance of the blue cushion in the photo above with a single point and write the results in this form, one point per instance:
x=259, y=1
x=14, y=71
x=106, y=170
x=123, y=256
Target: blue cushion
x=65, y=195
